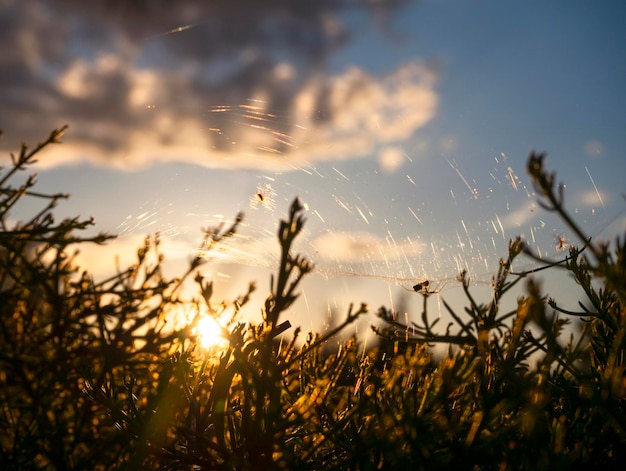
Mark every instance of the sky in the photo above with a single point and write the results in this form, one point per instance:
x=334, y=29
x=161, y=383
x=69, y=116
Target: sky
x=404, y=126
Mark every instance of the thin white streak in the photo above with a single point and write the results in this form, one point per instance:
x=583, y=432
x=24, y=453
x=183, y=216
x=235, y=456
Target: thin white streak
x=596, y=188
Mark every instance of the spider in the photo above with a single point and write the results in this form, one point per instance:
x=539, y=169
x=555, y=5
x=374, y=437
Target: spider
x=264, y=197
x=424, y=288
x=561, y=242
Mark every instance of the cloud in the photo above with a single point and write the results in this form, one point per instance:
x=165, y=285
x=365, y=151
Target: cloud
x=103, y=261
x=362, y=247
x=519, y=217
x=390, y=158
x=593, y=198
x=594, y=148
x=207, y=85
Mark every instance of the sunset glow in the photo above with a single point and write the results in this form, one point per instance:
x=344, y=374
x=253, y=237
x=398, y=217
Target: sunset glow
x=210, y=333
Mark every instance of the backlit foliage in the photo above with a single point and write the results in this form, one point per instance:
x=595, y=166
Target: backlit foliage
x=92, y=376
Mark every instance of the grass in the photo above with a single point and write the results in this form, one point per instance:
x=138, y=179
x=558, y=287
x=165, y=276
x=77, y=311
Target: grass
x=93, y=377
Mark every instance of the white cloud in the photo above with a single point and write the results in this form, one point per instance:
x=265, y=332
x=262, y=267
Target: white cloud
x=362, y=247
x=391, y=108
x=593, y=198
x=519, y=217
x=390, y=159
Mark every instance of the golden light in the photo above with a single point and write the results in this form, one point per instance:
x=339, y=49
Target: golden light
x=209, y=333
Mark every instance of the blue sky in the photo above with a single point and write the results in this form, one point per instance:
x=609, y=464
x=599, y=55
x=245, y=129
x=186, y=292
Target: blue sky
x=406, y=131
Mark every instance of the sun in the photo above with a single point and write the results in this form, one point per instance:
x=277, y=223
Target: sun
x=210, y=334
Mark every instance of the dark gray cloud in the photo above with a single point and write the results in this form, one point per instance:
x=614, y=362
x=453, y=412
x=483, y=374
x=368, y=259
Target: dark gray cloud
x=140, y=81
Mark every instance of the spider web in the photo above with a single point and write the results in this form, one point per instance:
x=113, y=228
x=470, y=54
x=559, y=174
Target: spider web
x=395, y=234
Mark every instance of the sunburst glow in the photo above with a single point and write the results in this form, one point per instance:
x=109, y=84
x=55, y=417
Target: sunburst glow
x=210, y=333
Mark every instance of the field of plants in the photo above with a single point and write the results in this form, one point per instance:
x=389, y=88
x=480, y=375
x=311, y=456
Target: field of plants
x=92, y=376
